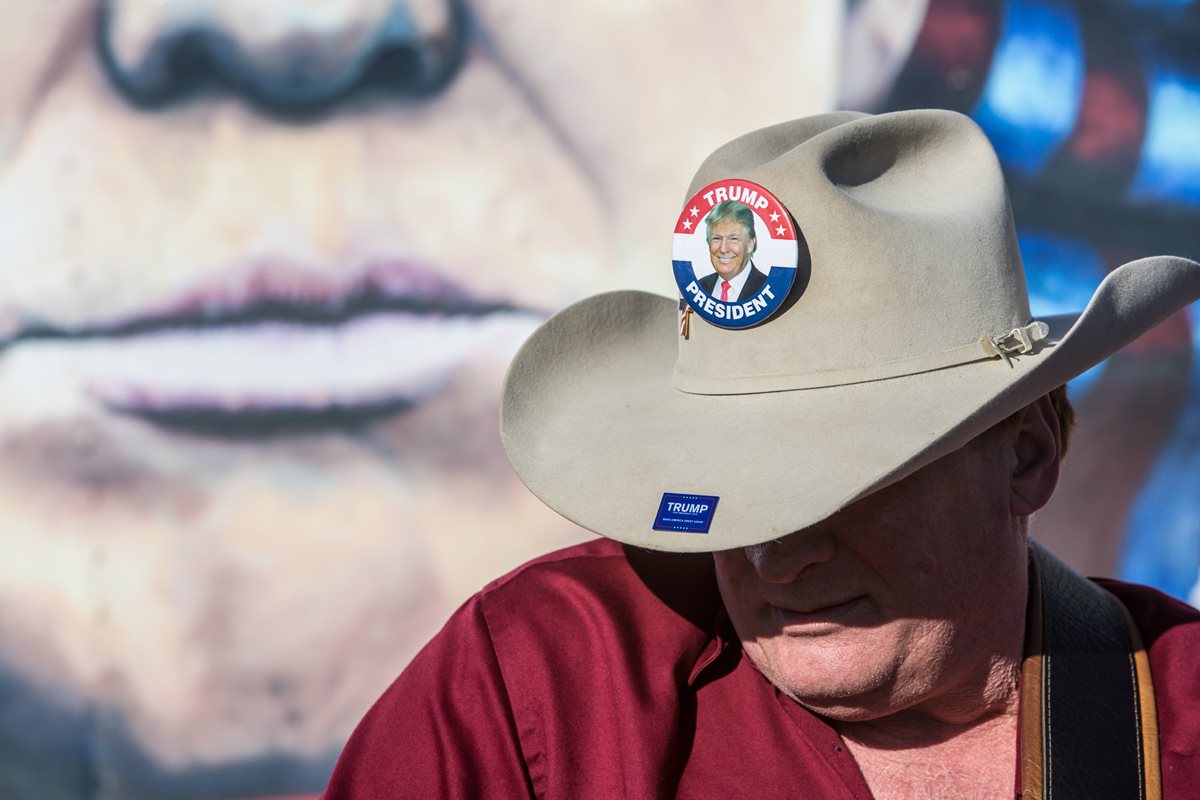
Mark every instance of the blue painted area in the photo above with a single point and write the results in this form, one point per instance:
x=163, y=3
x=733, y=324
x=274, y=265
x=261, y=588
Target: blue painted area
x=1031, y=100
x=1169, y=170
x=1062, y=273
x=1160, y=5
x=1162, y=541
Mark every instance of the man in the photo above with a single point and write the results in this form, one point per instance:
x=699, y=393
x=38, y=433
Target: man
x=873, y=620
x=729, y=230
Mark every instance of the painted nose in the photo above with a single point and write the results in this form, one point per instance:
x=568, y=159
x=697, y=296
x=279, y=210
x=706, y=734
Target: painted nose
x=785, y=560
x=300, y=69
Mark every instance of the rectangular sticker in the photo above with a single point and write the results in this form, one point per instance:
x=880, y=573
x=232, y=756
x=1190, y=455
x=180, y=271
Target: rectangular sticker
x=689, y=513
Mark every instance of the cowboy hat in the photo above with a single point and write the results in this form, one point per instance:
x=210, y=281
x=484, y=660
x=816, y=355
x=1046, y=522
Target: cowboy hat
x=906, y=334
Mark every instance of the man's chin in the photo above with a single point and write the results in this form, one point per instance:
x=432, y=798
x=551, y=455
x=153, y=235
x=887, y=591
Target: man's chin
x=841, y=683
x=847, y=702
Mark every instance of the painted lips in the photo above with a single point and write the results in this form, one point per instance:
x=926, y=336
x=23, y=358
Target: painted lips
x=269, y=341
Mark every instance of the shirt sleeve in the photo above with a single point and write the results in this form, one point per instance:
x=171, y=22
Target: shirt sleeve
x=443, y=729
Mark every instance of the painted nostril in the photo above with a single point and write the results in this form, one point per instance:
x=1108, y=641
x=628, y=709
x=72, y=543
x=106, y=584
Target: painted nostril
x=298, y=74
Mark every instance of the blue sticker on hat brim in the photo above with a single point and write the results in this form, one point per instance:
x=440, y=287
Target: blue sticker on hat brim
x=735, y=253
x=685, y=513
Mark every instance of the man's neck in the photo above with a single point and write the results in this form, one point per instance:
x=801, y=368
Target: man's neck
x=960, y=747
x=926, y=758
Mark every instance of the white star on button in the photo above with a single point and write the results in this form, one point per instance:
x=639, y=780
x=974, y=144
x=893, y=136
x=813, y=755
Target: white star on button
x=694, y=211
x=687, y=224
x=779, y=230
x=774, y=216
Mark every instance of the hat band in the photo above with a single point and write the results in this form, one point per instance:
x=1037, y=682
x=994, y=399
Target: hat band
x=1018, y=341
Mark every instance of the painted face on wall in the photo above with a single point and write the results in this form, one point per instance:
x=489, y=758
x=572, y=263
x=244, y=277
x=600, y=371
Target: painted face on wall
x=264, y=266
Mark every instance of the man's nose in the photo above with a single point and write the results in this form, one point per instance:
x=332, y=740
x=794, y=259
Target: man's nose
x=277, y=58
x=787, y=559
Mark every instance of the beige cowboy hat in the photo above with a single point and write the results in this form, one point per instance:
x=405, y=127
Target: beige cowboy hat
x=909, y=335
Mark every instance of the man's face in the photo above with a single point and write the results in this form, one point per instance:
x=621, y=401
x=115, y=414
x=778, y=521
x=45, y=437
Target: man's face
x=730, y=246
x=892, y=602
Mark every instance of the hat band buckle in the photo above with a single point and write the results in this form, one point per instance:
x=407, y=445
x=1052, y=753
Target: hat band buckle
x=1018, y=341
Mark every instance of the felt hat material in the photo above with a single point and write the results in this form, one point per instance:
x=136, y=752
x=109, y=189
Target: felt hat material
x=908, y=334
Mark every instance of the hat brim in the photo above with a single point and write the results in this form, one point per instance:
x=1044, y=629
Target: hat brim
x=595, y=428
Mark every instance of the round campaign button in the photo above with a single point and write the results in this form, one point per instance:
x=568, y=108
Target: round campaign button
x=734, y=253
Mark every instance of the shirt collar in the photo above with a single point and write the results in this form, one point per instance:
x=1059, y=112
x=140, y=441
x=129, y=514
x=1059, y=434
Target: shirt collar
x=724, y=639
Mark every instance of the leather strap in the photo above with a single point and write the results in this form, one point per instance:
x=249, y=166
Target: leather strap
x=1088, y=723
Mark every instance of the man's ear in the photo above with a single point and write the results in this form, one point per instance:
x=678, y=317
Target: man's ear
x=1038, y=449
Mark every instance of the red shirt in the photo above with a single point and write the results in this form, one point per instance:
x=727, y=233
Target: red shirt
x=598, y=672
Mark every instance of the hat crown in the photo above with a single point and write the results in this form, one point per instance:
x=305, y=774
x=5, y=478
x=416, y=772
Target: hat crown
x=908, y=251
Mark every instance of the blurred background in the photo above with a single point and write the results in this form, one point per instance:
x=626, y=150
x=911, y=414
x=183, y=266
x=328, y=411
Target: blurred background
x=264, y=263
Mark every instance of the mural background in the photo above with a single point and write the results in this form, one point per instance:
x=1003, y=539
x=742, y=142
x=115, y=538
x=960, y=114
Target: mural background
x=264, y=263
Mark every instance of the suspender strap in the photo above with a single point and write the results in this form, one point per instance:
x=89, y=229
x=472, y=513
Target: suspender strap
x=1088, y=724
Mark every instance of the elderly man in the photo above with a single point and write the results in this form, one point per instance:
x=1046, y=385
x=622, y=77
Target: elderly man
x=729, y=229
x=850, y=604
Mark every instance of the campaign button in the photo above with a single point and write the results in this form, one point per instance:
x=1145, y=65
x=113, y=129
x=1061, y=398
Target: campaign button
x=734, y=253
